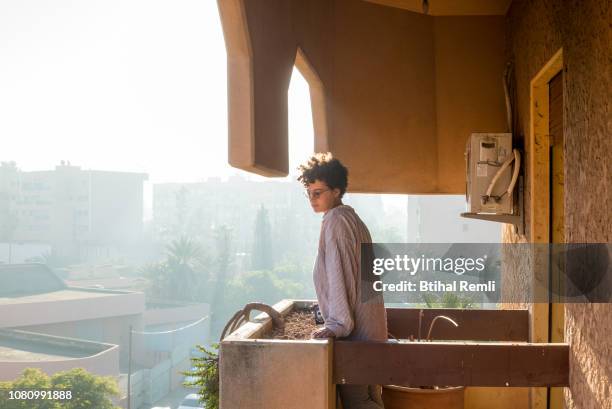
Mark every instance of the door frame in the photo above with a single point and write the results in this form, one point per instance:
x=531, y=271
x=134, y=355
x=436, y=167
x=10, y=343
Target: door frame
x=539, y=143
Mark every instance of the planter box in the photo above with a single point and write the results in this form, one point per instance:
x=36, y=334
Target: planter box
x=260, y=373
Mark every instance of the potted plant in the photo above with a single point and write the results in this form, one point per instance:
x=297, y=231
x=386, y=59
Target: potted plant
x=404, y=397
x=426, y=397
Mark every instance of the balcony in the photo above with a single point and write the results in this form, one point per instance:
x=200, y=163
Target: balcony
x=488, y=353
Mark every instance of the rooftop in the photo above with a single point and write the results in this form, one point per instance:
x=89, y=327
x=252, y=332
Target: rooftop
x=27, y=279
x=34, y=283
x=20, y=346
x=31, y=294
x=69, y=293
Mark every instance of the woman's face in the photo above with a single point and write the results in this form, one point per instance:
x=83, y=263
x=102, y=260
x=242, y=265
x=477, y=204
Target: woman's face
x=321, y=197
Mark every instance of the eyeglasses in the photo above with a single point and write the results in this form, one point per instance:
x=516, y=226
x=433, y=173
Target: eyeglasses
x=315, y=193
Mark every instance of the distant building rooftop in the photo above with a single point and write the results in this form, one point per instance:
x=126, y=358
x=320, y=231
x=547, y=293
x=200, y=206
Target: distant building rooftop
x=117, y=283
x=70, y=293
x=34, y=282
x=23, y=346
x=31, y=294
x=27, y=279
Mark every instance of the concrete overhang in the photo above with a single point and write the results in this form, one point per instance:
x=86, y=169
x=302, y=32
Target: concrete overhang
x=451, y=7
x=395, y=93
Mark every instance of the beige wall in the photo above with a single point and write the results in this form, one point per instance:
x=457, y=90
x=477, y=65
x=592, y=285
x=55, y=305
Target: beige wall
x=402, y=90
x=536, y=30
x=469, y=91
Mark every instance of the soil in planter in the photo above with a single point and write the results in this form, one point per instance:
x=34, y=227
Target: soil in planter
x=299, y=324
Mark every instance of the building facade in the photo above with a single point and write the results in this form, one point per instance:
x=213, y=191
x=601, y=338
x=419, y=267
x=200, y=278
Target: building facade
x=78, y=212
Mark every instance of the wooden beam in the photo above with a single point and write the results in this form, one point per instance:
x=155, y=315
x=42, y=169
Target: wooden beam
x=474, y=325
x=450, y=363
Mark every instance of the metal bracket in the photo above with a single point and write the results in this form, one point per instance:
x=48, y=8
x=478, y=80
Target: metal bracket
x=517, y=219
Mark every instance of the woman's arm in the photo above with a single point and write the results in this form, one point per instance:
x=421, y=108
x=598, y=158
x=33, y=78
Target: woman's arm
x=342, y=291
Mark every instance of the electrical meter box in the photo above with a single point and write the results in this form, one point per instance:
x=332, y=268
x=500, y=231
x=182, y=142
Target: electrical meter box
x=485, y=155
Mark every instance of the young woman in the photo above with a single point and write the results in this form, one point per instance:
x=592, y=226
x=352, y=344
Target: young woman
x=337, y=270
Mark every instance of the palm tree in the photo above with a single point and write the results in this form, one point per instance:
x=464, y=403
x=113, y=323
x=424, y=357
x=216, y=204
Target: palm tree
x=185, y=251
x=183, y=274
x=186, y=264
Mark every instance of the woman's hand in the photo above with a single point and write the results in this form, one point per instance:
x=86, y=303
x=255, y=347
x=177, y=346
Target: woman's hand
x=323, y=333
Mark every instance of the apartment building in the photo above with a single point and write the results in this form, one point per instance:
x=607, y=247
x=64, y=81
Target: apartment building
x=80, y=213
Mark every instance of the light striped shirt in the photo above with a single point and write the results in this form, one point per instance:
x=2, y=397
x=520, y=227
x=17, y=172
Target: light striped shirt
x=337, y=278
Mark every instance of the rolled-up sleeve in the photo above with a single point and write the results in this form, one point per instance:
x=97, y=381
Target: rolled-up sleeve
x=342, y=292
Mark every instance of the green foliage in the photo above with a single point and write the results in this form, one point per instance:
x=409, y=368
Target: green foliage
x=31, y=378
x=263, y=286
x=223, y=242
x=207, y=374
x=182, y=275
x=185, y=251
x=88, y=390
x=262, y=242
x=447, y=300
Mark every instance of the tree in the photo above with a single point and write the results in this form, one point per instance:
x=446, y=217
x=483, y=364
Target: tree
x=86, y=390
x=30, y=379
x=186, y=262
x=185, y=251
x=182, y=275
x=262, y=244
x=206, y=373
x=254, y=286
x=89, y=391
x=223, y=237
x=263, y=286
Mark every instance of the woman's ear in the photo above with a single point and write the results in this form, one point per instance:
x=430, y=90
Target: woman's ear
x=336, y=192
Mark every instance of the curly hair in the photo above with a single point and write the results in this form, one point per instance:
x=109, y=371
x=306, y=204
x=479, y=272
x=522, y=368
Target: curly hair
x=324, y=167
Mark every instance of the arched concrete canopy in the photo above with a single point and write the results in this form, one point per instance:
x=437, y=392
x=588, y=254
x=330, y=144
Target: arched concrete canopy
x=317, y=101
x=396, y=93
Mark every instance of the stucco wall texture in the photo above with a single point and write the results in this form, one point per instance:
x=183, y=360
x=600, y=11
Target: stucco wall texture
x=536, y=29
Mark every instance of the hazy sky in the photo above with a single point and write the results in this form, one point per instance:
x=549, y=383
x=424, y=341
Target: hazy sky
x=127, y=85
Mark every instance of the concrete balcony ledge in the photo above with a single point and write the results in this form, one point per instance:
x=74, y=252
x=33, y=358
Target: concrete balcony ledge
x=490, y=354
